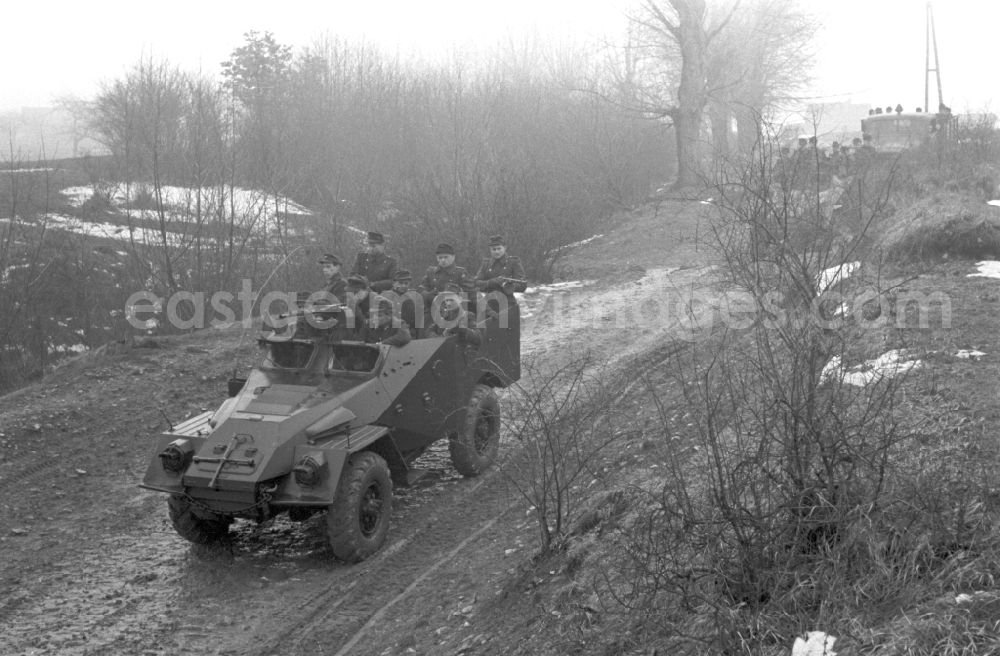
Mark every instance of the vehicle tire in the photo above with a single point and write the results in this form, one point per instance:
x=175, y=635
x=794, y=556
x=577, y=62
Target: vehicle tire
x=474, y=448
x=358, y=520
x=193, y=528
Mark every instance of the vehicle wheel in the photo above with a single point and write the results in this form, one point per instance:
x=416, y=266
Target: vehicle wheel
x=474, y=448
x=193, y=528
x=358, y=520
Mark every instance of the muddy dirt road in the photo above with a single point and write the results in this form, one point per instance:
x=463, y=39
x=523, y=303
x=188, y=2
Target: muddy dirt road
x=91, y=565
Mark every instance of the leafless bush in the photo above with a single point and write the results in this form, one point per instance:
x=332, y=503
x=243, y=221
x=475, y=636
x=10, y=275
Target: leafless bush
x=564, y=419
x=792, y=496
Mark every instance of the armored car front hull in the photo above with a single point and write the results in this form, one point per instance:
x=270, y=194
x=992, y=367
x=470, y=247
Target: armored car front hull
x=328, y=424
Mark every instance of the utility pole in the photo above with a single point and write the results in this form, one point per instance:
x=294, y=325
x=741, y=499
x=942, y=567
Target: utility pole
x=931, y=43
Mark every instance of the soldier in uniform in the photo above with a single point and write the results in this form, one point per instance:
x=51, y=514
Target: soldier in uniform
x=443, y=273
x=360, y=302
x=336, y=284
x=450, y=318
x=406, y=301
x=501, y=272
x=381, y=329
x=374, y=264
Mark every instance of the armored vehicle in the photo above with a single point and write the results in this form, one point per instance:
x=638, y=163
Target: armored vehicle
x=328, y=423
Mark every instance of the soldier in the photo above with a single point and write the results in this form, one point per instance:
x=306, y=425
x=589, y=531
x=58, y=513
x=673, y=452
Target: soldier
x=336, y=284
x=445, y=272
x=865, y=155
x=406, y=301
x=360, y=301
x=451, y=318
x=374, y=264
x=380, y=329
x=846, y=161
x=501, y=272
x=835, y=160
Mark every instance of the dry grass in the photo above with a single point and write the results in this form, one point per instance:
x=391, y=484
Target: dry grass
x=943, y=225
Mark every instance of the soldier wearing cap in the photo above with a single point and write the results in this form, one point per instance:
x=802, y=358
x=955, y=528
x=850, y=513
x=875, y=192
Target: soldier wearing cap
x=381, y=329
x=450, y=318
x=336, y=284
x=374, y=264
x=501, y=272
x=360, y=302
x=443, y=273
x=406, y=301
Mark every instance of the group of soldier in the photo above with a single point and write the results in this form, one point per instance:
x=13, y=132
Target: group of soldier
x=377, y=292
x=809, y=161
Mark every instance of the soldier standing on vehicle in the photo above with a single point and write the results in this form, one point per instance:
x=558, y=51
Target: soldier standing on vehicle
x=374, y=264
x=336, y=284
x=501, y=272
x=443, y=273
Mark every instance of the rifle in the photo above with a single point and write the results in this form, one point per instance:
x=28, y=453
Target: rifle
x=506, y=279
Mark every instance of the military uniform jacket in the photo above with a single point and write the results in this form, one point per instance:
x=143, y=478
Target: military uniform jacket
x=388, y=334
x=362, y=314
x=465, y=327
x=437, y=277
x=377, y=267
x=405, y=307
x=507, y=266
x=337, y=286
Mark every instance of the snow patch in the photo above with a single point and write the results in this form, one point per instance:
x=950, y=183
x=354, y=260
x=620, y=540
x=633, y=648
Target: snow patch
x=966, y=354
x=816, y=643
x=827, y=278
x=70, y=348
x=887, y=365
x=994, y=203
x=657, y=276
x=986, y=269
x=244, y=201
x=575, y=244
x=557, y=287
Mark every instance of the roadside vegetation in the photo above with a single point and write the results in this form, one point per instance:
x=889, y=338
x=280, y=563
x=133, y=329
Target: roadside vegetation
x=822, y=459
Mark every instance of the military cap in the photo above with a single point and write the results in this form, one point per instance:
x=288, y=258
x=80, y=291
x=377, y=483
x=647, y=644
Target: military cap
x=330, y=258
x=357, y=281
x=402, y=274
x=497, y=240
x=375, y=238
x=445, y=249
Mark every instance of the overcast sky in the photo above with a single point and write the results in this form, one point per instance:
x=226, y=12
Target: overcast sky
x=871, y=51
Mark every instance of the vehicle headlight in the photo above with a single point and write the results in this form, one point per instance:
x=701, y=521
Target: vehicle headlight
x=176, y=456
x=308, y=471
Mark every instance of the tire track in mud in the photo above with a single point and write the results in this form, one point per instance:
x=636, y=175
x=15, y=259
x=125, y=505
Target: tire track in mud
x=343, y=616
x=337, y=614
x=24, y=472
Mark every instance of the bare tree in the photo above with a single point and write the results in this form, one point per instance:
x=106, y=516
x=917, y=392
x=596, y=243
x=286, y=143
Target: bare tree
x=674, y=39
x=733, y=60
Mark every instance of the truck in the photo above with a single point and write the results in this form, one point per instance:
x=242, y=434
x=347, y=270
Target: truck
x=326, y=423
x=895, y=132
